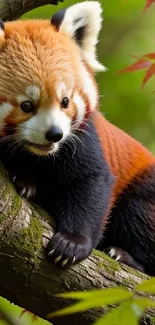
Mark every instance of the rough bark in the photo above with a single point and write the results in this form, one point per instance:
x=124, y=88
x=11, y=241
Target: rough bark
x=29, y=280
x=13, y=9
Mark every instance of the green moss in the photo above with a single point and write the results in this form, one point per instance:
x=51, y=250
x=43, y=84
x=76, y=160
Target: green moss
x=111, y=266
x=16, y=204
x=98, y=253
x=30, y=239
x=152, y=320
x=2, y=217
x=7, y=190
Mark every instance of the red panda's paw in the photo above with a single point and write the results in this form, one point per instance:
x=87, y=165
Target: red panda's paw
x=122, y=256
x=66, y=249
x=23, y=188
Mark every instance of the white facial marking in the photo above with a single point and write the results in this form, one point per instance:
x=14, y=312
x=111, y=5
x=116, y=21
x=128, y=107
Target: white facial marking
x=35, y=128
x=5, y=110
x=81, y=108
x=60, y=119
x=21, y=98
x=61, y=89
x=89, y=88
x=2, y=33
x=33, y=92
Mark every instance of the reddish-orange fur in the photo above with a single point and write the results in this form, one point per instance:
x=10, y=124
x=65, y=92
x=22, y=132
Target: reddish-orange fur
x=35, y=53
x=126, y=157
x=27, y=44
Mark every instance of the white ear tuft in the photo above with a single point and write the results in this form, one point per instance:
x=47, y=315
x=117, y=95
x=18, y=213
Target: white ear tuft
x=82, y=22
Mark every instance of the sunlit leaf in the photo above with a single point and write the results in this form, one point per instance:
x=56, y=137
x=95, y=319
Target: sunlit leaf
x=123, y=315
x=147, y=286
x=108, y=297
x=100, y=293
x=128, y=313
x=144, y=302
x=149, y=3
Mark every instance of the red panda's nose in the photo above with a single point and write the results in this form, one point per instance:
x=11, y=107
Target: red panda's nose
x=54, y=134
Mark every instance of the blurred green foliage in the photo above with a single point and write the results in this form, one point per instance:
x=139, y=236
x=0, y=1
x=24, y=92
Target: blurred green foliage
x=16, y=313
x=127, y=32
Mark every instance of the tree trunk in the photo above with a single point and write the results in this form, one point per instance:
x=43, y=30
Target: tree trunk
x=29, y=280
x=26, y=277
x=13, y=9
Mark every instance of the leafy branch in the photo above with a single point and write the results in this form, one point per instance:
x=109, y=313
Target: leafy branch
x=131, y=308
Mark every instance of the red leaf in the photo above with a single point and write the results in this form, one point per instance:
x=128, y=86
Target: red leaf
x=149, y=73
x=148, y=3
x=150, y=55
x=139, y=65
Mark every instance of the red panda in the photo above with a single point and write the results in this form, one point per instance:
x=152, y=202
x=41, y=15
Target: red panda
x=59, y=150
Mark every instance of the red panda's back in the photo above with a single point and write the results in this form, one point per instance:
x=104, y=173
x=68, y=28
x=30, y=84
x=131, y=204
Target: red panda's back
x=126, y=157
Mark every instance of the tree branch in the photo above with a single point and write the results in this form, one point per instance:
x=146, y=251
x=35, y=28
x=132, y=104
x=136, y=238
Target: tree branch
x=13, y=9
x=29, y=280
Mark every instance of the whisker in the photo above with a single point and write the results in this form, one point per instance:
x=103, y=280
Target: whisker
x=86, y=132
x=71, y=140
x=22, y=127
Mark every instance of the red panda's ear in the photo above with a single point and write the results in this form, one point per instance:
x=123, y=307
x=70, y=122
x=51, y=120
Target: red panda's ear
x=2, y=33
x=82, y=22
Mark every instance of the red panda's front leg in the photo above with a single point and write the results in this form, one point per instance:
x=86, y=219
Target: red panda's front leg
x=79, y=225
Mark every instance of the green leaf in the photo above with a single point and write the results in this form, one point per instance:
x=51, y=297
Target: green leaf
x=144, y=302
x=100, y=293
x=147, y=286
x=104, y=298
x=128, y=313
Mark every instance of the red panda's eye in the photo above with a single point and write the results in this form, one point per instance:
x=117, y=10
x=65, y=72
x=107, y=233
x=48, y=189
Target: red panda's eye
x=65, y=102
x=27, y=106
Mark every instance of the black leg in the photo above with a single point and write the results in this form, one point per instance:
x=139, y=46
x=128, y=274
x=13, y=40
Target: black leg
x=131, y=231
x=80, y=219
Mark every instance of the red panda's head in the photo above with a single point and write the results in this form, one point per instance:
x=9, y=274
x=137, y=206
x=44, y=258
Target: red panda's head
x=47, y=85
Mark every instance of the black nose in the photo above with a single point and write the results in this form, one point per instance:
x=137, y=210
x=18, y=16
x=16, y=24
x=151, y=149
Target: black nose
x=54, y=134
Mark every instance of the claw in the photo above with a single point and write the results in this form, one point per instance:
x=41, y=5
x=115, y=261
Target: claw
x=64, y=262
x=29, y=193
x=118, y=258
x=13, y=179
x=23, y=191
x=51, y=252
x=57, y=259
x=112, y=252
x=73, y=260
